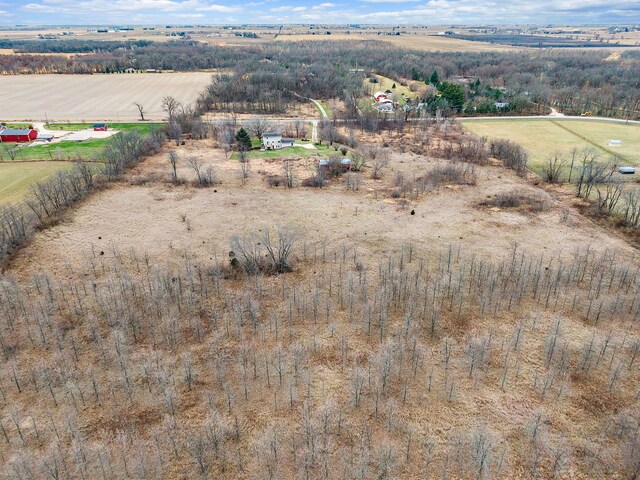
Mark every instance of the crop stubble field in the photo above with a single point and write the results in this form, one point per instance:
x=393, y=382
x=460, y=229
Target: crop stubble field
x=94, y=97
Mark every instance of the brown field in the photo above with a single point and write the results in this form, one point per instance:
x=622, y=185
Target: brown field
x=420, y=334
x=80, y=98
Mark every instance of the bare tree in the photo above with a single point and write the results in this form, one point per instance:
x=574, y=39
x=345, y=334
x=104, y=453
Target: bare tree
x=173, y=160
x=378, y=158
x=258, y=126
x=175, y=132
x=10, y=151
x=204, y=176
x=552, y=169
x=327, y=131
x=170, y=105
x=288, y=173
x=279, y=249
x=300, y=128
x=244, y=165
x=140, y=108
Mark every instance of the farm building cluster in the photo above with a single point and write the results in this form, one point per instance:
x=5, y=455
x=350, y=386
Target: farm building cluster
x=383, y=102
x=17, y=135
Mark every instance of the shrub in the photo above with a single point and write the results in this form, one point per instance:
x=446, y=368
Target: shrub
x=275, y=180
x=511, y=154
x=514, y=199
x=448, y=174
x=315, y=181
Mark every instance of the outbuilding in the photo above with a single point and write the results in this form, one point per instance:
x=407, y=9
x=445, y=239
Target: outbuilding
x=11, y=135
x=100, y=127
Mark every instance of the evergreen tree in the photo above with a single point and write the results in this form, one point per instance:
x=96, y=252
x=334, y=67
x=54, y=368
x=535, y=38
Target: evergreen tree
x=243, y=139
x=435, y=78
x=453, y=93
x=393, y=86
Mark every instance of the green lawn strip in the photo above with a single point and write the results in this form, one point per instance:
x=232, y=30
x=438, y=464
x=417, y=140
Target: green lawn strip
x=288, y=152
x=17, y=126
x=143, y=127
x=86, y=150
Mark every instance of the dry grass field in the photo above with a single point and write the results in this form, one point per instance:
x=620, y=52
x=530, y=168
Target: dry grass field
x=419, y=333
x=89, y=98
x=429, y=43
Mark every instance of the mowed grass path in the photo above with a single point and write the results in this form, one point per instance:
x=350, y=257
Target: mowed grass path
x=16, y=178
x=542, y=137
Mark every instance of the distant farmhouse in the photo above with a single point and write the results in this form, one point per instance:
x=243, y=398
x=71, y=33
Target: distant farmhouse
x=383, y=102
x=274, y=141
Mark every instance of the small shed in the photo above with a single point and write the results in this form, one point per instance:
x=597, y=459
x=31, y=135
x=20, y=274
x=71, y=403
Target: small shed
x=47, y=137
x=326, y=164
x=100, y=127
x=11, y=135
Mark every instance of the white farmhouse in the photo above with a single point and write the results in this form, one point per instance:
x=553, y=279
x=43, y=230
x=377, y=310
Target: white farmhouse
x=274, y=141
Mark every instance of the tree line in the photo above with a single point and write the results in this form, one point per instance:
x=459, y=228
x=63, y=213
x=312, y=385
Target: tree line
x=575, y=81
x=50, y=198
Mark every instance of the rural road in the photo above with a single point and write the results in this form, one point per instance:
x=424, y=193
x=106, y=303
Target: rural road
x=551, y=117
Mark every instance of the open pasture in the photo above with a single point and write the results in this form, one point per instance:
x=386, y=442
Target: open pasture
x=544, y=137
x=16, y=178
x=89, y=98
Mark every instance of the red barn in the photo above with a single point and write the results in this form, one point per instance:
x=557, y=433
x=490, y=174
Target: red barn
x=11, y=135
x=100, y=127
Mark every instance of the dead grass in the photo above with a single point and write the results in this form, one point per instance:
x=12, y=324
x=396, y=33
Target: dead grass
x=167, y=236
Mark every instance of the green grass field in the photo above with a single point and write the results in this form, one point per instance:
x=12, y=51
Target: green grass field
x=70, y=151
x=542, y=137
x=142, y=127
x=16, y=178
x=290, y=152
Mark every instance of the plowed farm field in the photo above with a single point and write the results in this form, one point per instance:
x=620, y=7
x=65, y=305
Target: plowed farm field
x=102, y=97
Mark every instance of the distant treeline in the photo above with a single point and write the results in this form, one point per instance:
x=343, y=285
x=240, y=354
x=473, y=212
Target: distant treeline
x=265, y=77
x=537, y=41
x=70, y=46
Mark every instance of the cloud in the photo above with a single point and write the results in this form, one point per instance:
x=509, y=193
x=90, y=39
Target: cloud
x=119, y=8
x=428, y=12
x=322, y=6
x=288, y=8
x=389, y=1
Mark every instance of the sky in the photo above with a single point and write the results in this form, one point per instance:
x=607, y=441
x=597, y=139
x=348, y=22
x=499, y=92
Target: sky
x=395, y=12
